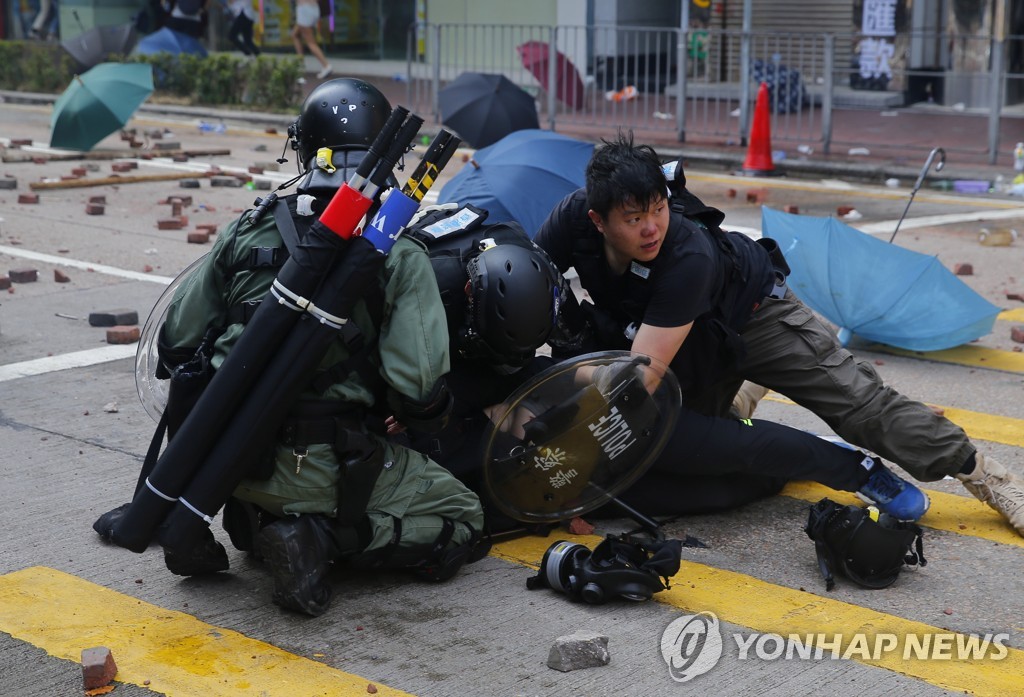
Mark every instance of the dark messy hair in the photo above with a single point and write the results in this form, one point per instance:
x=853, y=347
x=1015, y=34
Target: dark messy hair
x=622, y=172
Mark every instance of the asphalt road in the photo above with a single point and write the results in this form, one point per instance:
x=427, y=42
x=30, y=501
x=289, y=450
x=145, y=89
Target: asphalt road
x=73, y=435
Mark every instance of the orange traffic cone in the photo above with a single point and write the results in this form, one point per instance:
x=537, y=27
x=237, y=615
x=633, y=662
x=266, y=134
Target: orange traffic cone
x=759, y=153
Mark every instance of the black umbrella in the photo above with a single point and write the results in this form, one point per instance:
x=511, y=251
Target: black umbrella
x=483, y=108
x=286, y=302
x=93, y=47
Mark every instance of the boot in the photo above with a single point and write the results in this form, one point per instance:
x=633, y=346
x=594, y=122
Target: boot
x=104, y=525
x=206, y=557
x=298, y=550
x=998, y=487
x=746, y=399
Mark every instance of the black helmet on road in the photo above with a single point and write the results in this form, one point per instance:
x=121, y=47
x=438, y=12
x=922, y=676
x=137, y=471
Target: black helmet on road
x=345, y=113
x=513, y=293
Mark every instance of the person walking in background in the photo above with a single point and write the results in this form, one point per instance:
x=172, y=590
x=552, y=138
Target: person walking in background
x=187, y=16
x=44, y=25
x=243, y=16
x=307, y=14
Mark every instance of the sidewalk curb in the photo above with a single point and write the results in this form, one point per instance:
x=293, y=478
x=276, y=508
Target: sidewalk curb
x=728, y=162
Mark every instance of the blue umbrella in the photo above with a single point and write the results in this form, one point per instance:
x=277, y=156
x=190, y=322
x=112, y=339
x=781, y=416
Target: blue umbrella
x=877, y=290
x=521, y=177
x=169, y=41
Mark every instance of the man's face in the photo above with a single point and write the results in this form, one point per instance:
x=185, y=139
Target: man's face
x=631, y=232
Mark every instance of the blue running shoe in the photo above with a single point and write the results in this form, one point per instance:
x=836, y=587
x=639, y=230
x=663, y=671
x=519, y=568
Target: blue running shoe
x=890, y=494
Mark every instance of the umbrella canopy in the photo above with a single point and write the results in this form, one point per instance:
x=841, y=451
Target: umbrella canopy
x=169, y=41
x=97, y=103
x=521, y=177
x=93, y=46
x=877, y=290
x=535, y=56
x=483, y=108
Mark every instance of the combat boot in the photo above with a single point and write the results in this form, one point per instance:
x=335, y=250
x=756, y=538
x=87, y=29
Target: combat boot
x=207, y=557
x=298, y=551
x=746, y=399
x=998, y=487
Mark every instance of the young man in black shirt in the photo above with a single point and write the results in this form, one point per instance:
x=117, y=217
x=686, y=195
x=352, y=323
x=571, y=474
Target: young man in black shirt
x=714, y=307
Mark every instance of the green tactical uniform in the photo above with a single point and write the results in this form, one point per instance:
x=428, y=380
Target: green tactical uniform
x=409, y=352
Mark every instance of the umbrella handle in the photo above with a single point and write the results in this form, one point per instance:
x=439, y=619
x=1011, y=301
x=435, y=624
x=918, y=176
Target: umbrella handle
x=920, y=180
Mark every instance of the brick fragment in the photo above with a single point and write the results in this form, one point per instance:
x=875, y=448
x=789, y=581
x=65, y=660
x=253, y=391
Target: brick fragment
x=28, y=198
x=39, y=160
x=94, y=209
x=791, y=209
x=110, y=318
x=24, y=275
x=270, y=166
x=122, y=166
x=1017, y=333
x=183, y=199
x=843, y=210
x=98, y=199
x=68, y=177
x=18, y=142
x=757, y=195
x=270, y=130
x=255, y=170
x=963, y=269
x=61, y=277
x=262, y=184
x=198, y=237
x=98, y=667
x=228, y=182
x=731, y=193
x=155, y=134
x=8, y=182
x=5, y=282
x=189, y=183
x=208, y=227
x=79, y=171
x=176, y=209
x=170, y=224
x=179, y=157
x=123, y=335
x=1014, y=295
x=167, y=145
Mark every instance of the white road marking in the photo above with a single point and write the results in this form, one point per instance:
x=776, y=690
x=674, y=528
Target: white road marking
x=77, y=359
x=87, y=265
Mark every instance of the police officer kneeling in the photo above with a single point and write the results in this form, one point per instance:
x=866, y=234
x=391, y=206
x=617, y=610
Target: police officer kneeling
x=334, y=488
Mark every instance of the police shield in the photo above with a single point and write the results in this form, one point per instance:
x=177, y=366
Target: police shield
x=578, y=434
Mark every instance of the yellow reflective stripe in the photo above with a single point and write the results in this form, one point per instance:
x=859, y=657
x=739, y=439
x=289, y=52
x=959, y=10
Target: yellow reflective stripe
x=176, y=653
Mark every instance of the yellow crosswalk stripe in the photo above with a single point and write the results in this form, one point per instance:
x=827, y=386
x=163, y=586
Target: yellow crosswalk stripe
x=176, y=653
x=765, y=607
x=1014, y=315
x=977, y=425
x=972, y=356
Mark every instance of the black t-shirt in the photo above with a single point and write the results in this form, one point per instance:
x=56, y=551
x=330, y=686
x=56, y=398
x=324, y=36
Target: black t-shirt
x=693, y=279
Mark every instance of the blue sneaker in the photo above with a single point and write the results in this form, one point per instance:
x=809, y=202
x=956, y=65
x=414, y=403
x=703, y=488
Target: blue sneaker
x=890, y=494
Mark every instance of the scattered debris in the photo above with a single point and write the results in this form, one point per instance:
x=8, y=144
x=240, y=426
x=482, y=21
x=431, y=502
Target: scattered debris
x=23, y=275
x=1017, y=334
x=110, y=407
x=98, y=667
x=963, y=269
x=60, y=277
x=123, y=335
x=111, y=318
x=579, y=650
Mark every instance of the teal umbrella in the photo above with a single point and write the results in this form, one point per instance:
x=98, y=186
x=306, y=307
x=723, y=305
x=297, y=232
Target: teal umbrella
x=97, y=103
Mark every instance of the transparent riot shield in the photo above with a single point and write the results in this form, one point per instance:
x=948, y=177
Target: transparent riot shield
x=578, y=434
x=152, y=391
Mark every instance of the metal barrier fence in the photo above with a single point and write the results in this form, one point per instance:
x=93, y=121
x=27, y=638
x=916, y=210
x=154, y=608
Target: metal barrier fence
x=605, y=77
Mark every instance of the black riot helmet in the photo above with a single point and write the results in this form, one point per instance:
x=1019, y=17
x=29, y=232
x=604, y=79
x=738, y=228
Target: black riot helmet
x=868, y=547
x=513, y=297
x=341, y=114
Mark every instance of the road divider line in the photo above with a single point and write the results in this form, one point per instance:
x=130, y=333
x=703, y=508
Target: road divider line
x=972, y=356
x=977, y=425
x=164, y=650
x=78, y=359
x=765, y=607
x=86, y=265
x=961, y=515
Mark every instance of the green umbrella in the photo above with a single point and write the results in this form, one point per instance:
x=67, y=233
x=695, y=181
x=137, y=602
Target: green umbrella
x=99, y=102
